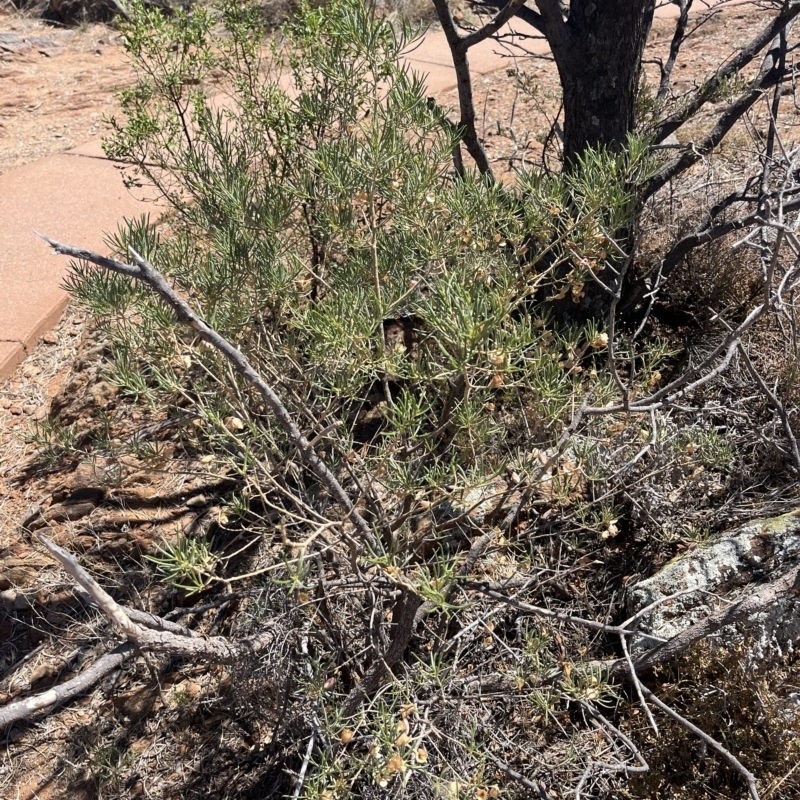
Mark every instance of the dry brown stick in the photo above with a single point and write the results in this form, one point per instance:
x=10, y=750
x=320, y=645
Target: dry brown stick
x=626, y=651
x=64, y=692
x=146, y=273
x=405, y=611
x=57, y=695
x=134, y=615
x=637, y=684
x=750, y=779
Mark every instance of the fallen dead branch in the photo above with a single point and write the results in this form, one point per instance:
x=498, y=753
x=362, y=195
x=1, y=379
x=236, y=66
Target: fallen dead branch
x=145, y=633
x=69, y=690
x=217, y=649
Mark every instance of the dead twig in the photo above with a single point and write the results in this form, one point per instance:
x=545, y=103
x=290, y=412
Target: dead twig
x=605, y=726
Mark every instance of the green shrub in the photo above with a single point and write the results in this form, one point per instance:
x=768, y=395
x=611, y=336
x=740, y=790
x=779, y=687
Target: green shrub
x=321, y=229
x=400, y=310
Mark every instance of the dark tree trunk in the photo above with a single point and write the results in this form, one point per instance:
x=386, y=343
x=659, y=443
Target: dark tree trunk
x=597, y=46
x=598, y=51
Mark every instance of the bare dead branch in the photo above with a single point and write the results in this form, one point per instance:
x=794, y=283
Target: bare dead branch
x=104, y=601
x=707, y=370
x=775, y=402
x=686, y=383
x=64, y=692
x=518, y=776
x=146, y=273
x=734, y=762
x=731, y=67
x=770, y=75
x=710, y=232
x=605, y=726
x=150, y=620
x=674, y=48
x=216, y=649
x=637, y=684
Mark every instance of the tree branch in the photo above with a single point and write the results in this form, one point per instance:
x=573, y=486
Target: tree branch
x=217, y=649
x=528, y=15
x=509, y=9
x=547, y=613
x=769, y=76
x=727, y=70
x=458, y=52
x=146, y=273
x=708, y=233
x=404, y=616
x=555, y=28
x=58, y=695
x=674, y=49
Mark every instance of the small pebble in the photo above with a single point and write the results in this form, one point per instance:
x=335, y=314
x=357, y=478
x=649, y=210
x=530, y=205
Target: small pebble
x=30, y=408
x=5, y=402
x=51, y=337
x=15, y=410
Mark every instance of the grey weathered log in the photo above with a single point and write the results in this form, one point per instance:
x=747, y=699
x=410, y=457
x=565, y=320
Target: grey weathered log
x=787, y=585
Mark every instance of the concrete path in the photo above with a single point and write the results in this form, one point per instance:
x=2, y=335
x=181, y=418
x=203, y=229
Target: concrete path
x=77, y=196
